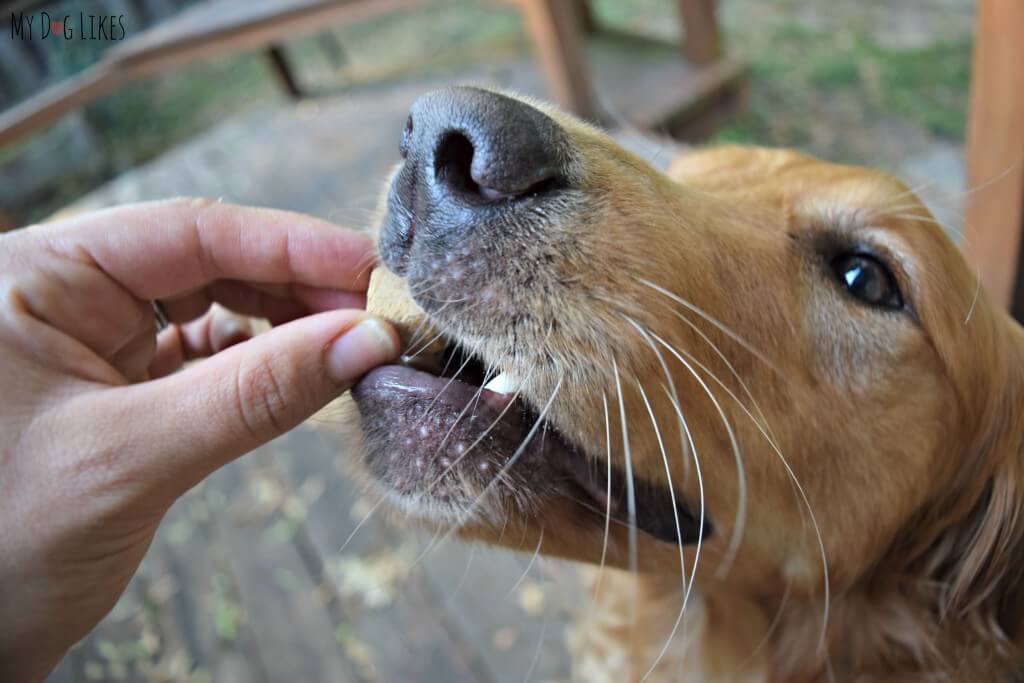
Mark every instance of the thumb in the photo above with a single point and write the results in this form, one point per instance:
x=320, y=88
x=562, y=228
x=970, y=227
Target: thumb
x=247, y=395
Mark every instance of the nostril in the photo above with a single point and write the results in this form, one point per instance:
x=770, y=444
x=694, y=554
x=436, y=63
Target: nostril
x=403, y=143
x=453, y=163
x=453, y=167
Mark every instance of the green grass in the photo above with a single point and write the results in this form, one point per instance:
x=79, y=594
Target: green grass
x=928, y=86
x=796, y=70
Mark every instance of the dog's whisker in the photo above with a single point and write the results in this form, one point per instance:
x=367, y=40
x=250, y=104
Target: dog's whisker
x=802, y=494
x=529, y=565
x=951, y=229
x=671, y=385
x=729, y=365
x=912, y=192
x=897, y=210
x=436, y=540
x=418, y=334
x=591, y=507
x=700, y=484
x=608, y=497
x=408, y=357
x=423, y=329
x=961, y=194
x=468, y=513
x=489, y=373
x=977, y=294
x=741, y=503
x=772, y=626
x=711, y=319
x=362, y=522
x=679, y=531
x=365, y=264
x=630, y=488
x=433, y=402
x=479, y=439
x=449, y=301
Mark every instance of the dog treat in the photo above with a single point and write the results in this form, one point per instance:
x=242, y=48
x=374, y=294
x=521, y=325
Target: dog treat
x=388, y=297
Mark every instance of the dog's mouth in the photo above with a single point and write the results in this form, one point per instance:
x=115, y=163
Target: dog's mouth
x=470, y=219
x=452, y=443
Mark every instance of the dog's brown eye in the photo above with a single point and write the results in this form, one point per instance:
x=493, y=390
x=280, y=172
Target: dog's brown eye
x=868, y=280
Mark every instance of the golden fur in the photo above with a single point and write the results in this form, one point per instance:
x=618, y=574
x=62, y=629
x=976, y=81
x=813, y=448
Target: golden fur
x=871, y=460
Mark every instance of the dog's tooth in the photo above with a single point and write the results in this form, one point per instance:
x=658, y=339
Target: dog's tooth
x=503, y=383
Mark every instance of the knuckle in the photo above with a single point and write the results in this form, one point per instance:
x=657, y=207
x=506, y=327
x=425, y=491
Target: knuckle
x=262, y=400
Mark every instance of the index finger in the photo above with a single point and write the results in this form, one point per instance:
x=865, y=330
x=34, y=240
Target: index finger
x=159, y=249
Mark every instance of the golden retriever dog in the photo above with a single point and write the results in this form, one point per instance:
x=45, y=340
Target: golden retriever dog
x=760, y=396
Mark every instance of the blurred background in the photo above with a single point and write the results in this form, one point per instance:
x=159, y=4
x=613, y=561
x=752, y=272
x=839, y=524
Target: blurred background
x=278, y=568
x=859, y=81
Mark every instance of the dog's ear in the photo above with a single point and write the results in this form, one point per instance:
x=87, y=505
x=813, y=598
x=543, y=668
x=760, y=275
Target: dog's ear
x=980, y=560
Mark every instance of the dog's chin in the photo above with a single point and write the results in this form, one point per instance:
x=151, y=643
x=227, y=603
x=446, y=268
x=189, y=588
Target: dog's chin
x=447, y=452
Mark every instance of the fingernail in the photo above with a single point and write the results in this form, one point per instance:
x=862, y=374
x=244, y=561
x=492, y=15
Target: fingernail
x=362, y=348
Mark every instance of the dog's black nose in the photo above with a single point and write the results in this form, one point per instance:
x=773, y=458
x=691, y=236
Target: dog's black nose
x=482, y=147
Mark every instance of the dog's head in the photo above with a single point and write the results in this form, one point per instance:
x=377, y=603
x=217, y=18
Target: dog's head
x=784, y=360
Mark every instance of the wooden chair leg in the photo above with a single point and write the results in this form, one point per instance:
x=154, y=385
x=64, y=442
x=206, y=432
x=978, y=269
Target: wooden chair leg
x=557, y=36
x=283, y=72
x=994, y=215
x=701, y=43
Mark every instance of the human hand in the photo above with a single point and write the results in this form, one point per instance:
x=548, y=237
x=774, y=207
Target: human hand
x=98, y=437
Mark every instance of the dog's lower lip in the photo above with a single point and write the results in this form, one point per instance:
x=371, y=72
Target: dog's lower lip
x=438, y=438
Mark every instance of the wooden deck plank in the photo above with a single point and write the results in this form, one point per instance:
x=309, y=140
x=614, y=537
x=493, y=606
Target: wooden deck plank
x=382, y=603
x=295, y=635
x=165, y=626
x=510, y=607
x=206, y=612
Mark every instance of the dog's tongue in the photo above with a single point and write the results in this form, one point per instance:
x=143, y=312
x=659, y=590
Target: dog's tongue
x=402, y=383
